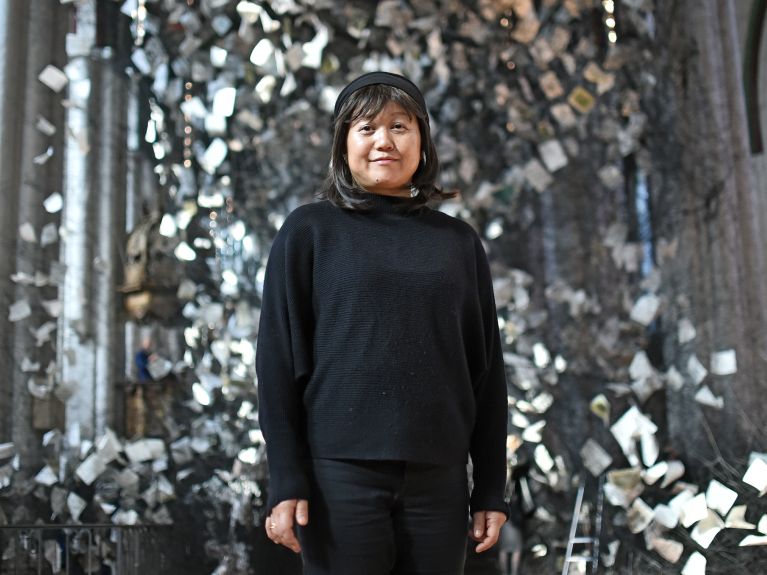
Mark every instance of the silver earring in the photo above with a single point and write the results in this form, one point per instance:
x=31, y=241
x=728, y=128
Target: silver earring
x=414, y=191
x=423, y=157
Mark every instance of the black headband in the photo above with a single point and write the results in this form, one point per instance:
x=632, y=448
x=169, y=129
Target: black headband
x=381, y=78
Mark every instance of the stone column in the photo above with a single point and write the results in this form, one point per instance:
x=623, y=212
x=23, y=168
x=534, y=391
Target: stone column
x=76, y=336
x=13, y=46
x=32, y=162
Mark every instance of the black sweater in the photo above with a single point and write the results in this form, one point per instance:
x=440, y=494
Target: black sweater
x=379, y=339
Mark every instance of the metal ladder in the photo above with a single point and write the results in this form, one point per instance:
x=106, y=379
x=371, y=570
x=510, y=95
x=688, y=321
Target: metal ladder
x=596, y=529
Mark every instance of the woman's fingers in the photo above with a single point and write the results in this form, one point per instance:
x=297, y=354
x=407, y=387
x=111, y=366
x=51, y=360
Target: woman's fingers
x=478, y=526
x=491, y=528
x=302, y=512
x=279, y=525
x=269, y=528
x=290, y=541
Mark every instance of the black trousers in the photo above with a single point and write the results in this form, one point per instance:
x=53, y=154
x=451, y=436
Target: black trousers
x=385, y=517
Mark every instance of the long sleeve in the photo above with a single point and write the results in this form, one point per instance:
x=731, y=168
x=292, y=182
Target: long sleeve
x=488, y=439
x=284, y=359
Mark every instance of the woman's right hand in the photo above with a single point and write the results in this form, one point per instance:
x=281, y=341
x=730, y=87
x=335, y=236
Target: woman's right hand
x=279, y=524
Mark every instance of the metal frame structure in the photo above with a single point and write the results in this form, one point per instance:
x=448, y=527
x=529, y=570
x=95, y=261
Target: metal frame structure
x=594, y=527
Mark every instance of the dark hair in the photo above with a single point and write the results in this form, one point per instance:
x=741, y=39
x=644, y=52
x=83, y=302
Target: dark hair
x=339, y=186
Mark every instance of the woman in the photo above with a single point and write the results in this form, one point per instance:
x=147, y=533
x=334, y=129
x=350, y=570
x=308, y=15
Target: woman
x=378, y=358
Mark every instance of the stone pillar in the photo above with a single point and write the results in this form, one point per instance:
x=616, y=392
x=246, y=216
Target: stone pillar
x=32, y=162
x=708, y=197
x=76, y=340
x=109, y=196
x=13, y=46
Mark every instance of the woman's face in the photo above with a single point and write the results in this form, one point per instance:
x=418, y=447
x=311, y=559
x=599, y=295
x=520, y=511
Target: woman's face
x=383, y=152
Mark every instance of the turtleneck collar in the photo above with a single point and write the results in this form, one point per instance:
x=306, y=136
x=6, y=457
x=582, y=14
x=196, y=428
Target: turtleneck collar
x=380, y=203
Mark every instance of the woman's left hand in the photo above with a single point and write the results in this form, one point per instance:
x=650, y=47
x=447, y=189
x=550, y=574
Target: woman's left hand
x=486, y=528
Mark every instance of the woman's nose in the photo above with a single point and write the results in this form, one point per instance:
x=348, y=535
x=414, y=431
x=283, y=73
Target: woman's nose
x=383, y=139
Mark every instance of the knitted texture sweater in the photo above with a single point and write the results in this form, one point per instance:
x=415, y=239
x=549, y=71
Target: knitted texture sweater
x=378, y=339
